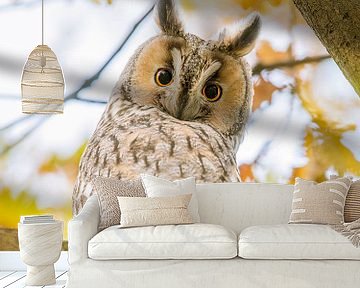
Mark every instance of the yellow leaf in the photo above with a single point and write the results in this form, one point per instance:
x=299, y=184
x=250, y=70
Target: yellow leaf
x=259, y=5
x=188, y=5
x=12, y=208
x=324, y=148
x=275, y=2
x=99, y=1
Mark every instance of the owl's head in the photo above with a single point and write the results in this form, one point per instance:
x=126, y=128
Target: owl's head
x=193, y=79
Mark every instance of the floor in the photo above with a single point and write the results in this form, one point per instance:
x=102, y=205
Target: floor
x=16, y=279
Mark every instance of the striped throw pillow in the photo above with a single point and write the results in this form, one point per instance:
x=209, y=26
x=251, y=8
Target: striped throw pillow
x=352, y=204
x=320, y=203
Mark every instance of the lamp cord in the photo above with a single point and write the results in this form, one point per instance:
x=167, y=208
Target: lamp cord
x=42, y=58
x=42, y=22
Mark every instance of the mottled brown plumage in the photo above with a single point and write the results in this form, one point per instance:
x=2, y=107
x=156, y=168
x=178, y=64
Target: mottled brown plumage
x=174, y=130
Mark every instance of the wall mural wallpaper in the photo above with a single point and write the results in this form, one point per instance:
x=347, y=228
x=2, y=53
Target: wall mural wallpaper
x=181, y=105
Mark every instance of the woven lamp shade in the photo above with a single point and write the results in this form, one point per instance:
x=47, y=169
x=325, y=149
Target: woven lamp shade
x=42, y=83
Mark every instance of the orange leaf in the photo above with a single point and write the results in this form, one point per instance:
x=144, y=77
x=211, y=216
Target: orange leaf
x=263, y=91
x=267, y=55
x=69, y=165
x=246, y=173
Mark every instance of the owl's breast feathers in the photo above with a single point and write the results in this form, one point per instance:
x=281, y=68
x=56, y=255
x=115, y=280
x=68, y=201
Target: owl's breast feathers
x=142, y=139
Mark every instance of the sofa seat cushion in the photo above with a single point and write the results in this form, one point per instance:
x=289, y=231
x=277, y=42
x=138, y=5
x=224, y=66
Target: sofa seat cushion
x=295, y=241
x=191, y=241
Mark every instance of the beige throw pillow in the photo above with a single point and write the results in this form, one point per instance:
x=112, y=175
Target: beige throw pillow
x=138, y=211
x=158, y=187
x=320, y=203
x=107, y=190
x=352, y=203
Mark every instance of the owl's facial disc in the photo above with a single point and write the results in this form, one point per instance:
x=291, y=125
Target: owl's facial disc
x=191, y=80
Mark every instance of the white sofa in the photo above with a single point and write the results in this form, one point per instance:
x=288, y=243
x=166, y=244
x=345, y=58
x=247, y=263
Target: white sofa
x=250, y=222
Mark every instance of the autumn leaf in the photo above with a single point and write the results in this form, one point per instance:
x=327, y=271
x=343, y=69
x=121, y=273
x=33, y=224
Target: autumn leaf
x=246, y=173
x=99, y=1
x=324, y=148
x=263, y=91
x=12, y=208
x=267, y=55
x=69, y=165
x=188, y=5
x=259, y=5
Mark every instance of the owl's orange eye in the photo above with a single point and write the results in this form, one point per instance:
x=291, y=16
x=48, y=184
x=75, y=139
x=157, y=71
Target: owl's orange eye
x=212, y=92
x=163, y=77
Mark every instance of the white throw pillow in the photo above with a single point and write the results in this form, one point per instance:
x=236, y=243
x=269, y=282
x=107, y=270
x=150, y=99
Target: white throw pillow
x=158, y=187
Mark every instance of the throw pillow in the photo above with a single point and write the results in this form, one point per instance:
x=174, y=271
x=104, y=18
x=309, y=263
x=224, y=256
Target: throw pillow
x=352, y=203
x=158, y=187
x=320, y=203
x=107, y=190
x=140, y=211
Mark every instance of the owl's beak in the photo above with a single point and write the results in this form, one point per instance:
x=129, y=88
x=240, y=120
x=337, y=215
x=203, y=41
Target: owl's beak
x=188, y=108
x=182, y=103
x=174, y=104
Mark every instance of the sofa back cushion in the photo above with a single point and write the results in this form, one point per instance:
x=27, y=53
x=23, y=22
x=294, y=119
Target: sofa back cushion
x=239, y=205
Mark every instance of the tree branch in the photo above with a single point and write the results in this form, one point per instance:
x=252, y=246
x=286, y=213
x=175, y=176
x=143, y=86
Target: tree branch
x=15, y=122
x=24, y=136
x=87, y=100
x=87, y=83
x=74, y=95
x=288, y=64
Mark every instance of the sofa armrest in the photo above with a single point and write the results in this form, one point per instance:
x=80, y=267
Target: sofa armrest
x=82, y=228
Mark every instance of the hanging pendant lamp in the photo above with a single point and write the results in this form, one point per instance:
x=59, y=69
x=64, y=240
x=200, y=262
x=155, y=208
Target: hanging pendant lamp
x=42, y=81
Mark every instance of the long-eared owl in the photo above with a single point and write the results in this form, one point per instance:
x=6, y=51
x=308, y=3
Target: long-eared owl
x=179, y=108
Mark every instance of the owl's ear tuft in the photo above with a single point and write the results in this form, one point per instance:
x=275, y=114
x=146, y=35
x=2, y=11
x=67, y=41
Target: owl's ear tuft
x=167, y=18
x=239, y=39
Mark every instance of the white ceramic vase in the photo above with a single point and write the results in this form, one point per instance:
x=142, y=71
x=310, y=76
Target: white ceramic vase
x=40, y=247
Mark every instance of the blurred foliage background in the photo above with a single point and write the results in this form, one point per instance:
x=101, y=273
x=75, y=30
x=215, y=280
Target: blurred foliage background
x=305, y=120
